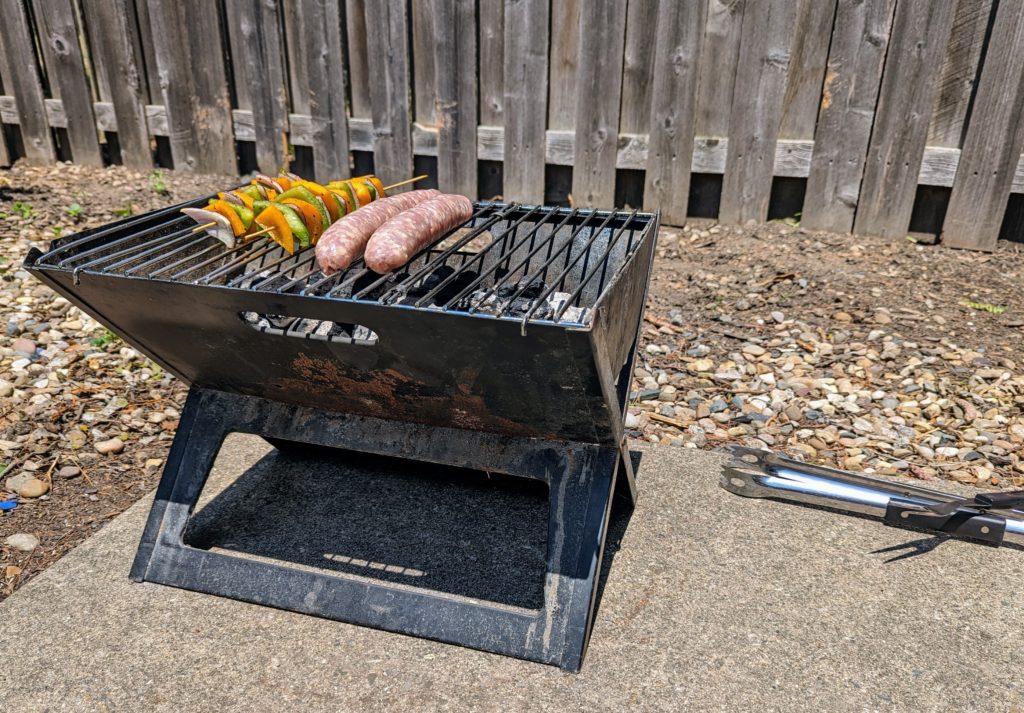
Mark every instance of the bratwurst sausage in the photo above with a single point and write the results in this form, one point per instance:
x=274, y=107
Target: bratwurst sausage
x=410, y=231
x=344, y=241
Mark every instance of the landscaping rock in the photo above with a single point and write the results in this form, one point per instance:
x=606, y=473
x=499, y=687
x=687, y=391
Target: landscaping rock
x=23, y=541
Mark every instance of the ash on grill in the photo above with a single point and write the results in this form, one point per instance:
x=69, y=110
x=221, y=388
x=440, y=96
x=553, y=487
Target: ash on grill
x=309, y=327
x=516, y=298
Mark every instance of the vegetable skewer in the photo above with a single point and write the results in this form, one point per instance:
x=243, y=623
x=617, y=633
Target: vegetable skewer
x=302, y=208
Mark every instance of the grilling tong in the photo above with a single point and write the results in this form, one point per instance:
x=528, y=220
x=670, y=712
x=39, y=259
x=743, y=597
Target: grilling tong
x=988, y=517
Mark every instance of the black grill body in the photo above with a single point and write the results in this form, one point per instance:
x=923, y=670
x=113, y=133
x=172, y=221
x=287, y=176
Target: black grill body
x=507, y=347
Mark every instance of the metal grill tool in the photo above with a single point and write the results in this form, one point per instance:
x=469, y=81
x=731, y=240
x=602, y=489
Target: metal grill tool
x=993, y=518
x=505, y=347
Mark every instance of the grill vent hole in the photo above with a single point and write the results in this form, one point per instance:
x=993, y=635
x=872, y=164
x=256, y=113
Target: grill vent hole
x=303, y=328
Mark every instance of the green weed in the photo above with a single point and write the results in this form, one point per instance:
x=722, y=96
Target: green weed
x=984, y=307
x=104, y=339
x=156, y=182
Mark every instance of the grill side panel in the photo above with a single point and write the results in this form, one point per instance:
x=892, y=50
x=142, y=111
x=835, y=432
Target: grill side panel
x=427, y=366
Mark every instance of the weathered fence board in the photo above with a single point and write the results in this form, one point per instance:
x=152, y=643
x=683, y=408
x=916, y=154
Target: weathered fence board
x=718, y=66
x=5, y=156
x=859, y=43
x=598, y=87
x=318, y=39
x=565, y=36
x=919, y=34
x=143, y=47
x=423, y=72
x=677, y=47
x=121, y=68
x=358, y=63
x=959, y=71
x=492, y=61
x=298, y=72
x=170, y=47
x=211, y=109
x=986, y=167
x=638, y=62
x=258, y=65
x=807, y=69
x=456, y=105
x=756, y=111
x=193, y=83
x=60, y=35
x=526, y=92
x=386, y=30
x=26, y=83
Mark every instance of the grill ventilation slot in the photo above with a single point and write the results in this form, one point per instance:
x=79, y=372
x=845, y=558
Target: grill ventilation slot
x=303, y=328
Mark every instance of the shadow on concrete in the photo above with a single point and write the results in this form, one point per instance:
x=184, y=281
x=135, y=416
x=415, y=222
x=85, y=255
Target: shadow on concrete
x=446, y=529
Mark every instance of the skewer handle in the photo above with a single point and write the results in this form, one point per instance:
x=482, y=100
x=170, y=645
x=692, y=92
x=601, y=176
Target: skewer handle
x=204, y=226
x=405, y=182
x=259, y=232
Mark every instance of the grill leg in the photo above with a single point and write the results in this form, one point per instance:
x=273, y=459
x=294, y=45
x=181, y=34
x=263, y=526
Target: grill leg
x=581, y=480
x=580, y=506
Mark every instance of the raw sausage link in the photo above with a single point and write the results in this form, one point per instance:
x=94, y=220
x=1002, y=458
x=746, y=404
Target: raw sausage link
x=344, y=241
x=395, y=242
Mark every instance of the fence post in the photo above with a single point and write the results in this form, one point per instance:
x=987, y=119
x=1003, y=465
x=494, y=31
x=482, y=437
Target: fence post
x=987, y=165
x=26, y=82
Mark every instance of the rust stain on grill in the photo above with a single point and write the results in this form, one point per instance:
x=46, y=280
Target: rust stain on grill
x=388, y=393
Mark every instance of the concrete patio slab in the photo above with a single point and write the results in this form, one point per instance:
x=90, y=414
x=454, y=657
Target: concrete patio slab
x=712, y=602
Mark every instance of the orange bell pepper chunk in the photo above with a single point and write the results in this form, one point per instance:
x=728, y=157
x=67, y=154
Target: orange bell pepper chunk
x=310, y=216
x=271, y=217
x=224, y=208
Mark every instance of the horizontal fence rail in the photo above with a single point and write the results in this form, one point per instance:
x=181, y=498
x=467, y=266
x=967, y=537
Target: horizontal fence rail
x=869, y=100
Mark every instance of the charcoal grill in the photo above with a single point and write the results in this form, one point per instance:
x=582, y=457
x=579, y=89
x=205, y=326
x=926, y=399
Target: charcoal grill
x=505, y=347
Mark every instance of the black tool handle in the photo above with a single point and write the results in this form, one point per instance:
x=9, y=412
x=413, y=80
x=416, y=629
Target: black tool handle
x=1011, y=499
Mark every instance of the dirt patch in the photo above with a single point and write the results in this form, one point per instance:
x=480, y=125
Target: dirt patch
x=868, y=354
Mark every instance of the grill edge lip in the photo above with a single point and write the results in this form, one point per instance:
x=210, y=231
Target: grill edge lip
x=39, y=260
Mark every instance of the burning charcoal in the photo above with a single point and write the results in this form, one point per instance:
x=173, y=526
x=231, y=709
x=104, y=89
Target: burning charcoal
x=427, y=285
x=505, y=292
x=478, y=299
x=279, y=321
x=364, y=281
x=303, y=326
x=557, y=299
x=341, y=331
x=363, y=333
x=436, y=277
x=520, y=305
x=543, y=311
x=531, y=290
x=453, y=288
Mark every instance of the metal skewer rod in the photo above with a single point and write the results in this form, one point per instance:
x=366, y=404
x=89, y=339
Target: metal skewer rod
x=405, y=182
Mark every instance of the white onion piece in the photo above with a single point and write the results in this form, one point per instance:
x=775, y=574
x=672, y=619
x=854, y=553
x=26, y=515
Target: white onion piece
x=222, y=228
x=269, y=182
x=232, y=198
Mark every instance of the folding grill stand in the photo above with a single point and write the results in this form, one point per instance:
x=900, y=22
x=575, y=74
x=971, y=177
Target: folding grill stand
x=581, y=478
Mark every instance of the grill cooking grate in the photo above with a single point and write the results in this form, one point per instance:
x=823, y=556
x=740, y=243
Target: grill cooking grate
x=528, y=263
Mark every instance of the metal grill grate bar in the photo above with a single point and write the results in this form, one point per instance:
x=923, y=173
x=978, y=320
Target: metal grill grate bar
x=560, y=280
x=51, y=258
x=506, y=276
x=481, y=257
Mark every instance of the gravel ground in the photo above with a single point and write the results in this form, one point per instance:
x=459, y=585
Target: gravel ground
x=852, y=352
x=85, y=421
x=861, y=353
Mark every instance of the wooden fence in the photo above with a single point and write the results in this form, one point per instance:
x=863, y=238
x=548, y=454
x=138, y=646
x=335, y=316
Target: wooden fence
x=871, y=101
